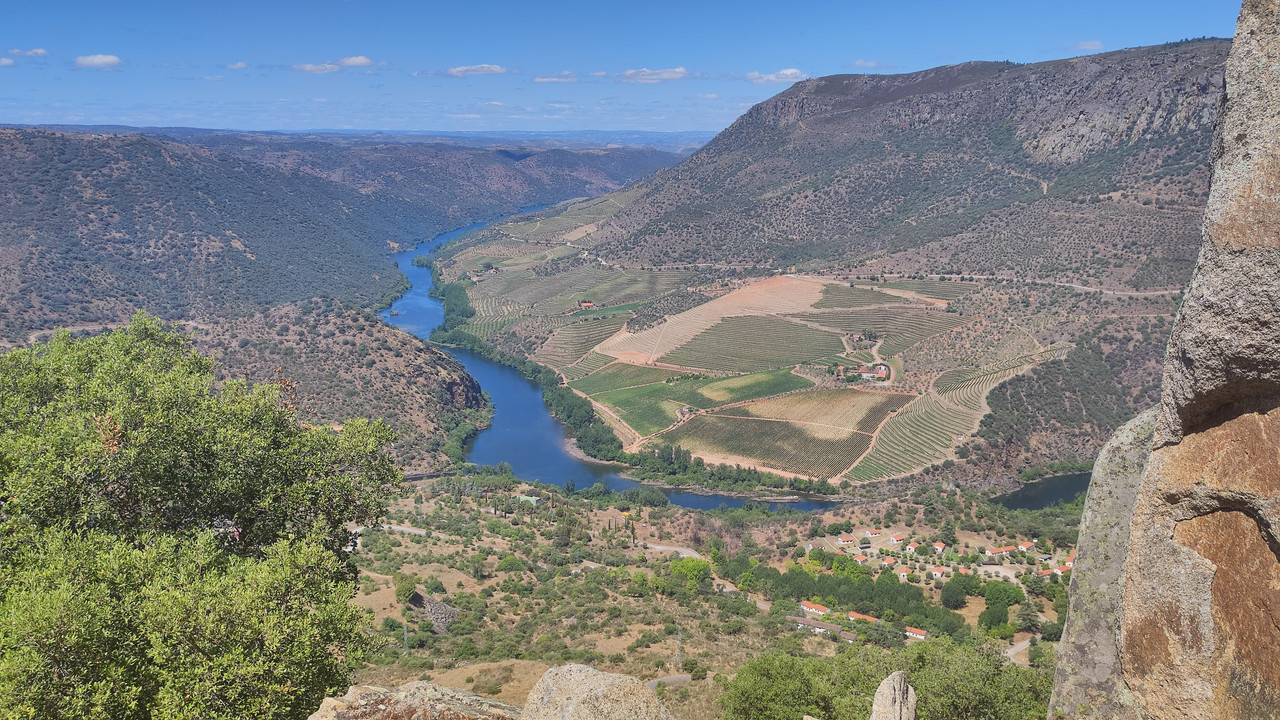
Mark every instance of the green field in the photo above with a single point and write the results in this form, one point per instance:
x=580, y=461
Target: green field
x=969, y=387
x=591, y=363
x=918, y=435
x=551, y=228
x=754, y=343
x=776, y=444
x=899, y=328
x=844, y=296
x=650, y=408
x=621, y=375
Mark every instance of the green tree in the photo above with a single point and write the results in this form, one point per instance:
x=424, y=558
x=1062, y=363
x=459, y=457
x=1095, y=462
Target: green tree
x=126, y=433
x=954, y=596
x=1028, y=620
x=995, y=614
x=170, y=547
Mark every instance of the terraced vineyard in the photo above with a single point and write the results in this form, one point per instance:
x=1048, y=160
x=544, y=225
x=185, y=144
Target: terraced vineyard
x=968, y=388
x=587, y=365
x=942, y=290
x=753, y=343
x=899, y=326
x=775, y=444
x=836, y=295
x=570, y=225
x=569, y=344
x=920, y=434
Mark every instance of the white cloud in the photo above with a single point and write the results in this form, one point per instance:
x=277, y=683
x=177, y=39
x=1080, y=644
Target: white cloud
x=1089, y=45
x=238, y=65
x=564, y=76
x=788, y=75
x=33, y=52
x=600, y=73
x=6, y=62
x=317, y=69
x=485, y=69
x=647, y=76
x=866, y=64
x=355, y=61
x=710, y=96
x=97, y=61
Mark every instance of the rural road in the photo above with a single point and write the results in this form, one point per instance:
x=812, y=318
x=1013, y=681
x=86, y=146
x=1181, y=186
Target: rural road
x=1017, y=648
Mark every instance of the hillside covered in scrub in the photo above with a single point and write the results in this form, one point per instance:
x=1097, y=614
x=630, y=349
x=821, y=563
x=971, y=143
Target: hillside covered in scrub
x=1091, y=168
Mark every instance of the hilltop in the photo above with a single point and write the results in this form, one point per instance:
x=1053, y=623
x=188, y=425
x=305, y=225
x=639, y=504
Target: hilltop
x=1089, y=168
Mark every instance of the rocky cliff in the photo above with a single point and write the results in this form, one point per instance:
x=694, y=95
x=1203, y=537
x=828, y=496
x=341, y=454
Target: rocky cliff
x=1199, y=617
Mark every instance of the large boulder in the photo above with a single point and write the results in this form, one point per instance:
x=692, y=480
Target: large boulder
x=577, y=692
x=895, y=699
x=413, y=701
x=1201, y=628
x=1199, y=615
x=1088, y=680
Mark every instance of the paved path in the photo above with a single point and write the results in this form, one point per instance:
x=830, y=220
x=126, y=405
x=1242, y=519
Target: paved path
x=1017, y=648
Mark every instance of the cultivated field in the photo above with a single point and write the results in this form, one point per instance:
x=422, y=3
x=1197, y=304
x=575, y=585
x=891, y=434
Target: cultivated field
x=653, y=407
x=753, y=343
x=920, y=434
x=774, y=444
x=827, y=414
x=899, y=326
x=571, y=343
x=621, y=375
x=843, y=296
x=942, y=290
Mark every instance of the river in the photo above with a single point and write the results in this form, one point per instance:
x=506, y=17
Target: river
x=1047, y=491
x=524, y=434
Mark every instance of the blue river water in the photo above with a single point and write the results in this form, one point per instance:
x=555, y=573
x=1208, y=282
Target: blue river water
x=1046, y=491
x=524, y=434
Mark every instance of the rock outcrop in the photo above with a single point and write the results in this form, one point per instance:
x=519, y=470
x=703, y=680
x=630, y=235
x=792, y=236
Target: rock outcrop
x=1088, y=671
x=577, y=692
x=413, y=701
x=1199, y=618
x=895, y=699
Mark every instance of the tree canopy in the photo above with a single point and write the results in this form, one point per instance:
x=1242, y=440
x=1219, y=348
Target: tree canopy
x=171, y=548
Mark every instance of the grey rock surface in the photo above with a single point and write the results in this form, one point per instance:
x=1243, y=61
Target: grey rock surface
x=413, y=701
x=1088, y=681
x=895, y=699
x=1223, y=350
x=578, y=692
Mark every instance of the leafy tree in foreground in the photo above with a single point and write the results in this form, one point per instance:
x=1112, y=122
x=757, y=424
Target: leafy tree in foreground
x=168, y=548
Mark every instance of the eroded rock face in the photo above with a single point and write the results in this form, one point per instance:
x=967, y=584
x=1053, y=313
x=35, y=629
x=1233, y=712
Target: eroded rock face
x=578, y=692
x=895, y=699
x=1088, y=680
x=1201, y=617
x=413, y=701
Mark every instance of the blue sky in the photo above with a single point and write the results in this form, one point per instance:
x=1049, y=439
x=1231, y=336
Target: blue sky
x=529, y=65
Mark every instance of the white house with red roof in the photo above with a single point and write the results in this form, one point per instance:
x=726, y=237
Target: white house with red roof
x=937, y=572
x=917, y=633
x=903, y=573
x=861, y=559
x=897, y=538
x=865, y=618
x=939, y=547
x=1044, y=573
x=911, y=546
x=874, y=533
x=847, y=540
x=965, y=571
x=1071, y=559
x=1005, y=550
x=1025, y=546
x=815, y=608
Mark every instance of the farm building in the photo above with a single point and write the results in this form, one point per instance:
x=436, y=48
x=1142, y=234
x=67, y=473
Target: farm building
x=1071, y=559
x=815, y=608
x=1025, y=546
x=847, y=540
x=1044, y=573
x=938, y=548
x=938, y=572
x=916, y=633
x=911, y=546
x=874, y=533
x=897, y=539
x=965, y=571
x=860, y=616
x=861, y=559
x=1004, y=550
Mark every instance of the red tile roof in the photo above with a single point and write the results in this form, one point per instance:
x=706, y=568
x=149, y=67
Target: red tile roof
x=860, y=616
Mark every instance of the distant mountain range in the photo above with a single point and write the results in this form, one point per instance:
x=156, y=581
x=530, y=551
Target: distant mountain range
x=94, y=225
x=1092, y=168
